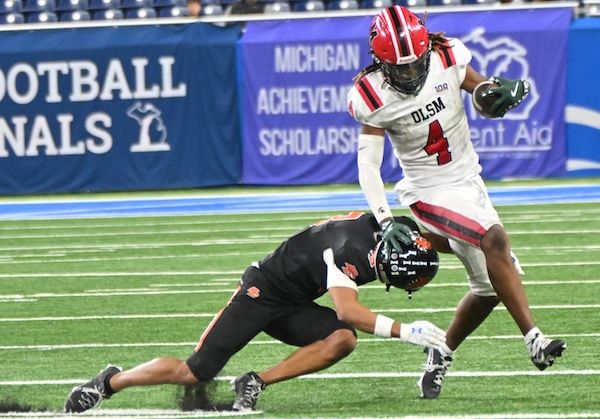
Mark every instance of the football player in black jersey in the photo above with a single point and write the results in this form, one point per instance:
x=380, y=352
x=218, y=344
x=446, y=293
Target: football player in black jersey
x=276, y=296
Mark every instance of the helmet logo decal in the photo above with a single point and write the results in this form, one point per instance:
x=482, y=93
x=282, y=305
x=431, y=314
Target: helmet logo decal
x=372, y=257
x=422, y=243
x=373, y=34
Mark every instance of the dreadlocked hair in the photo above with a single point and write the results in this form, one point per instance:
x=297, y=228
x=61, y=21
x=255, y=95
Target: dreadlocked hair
x=374, y=66
x=438, y=42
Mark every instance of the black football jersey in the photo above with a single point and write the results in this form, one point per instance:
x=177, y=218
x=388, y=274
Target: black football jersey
x=296, y=268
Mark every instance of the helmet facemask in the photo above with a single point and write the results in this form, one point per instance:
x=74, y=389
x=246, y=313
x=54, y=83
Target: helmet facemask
x=407, y=78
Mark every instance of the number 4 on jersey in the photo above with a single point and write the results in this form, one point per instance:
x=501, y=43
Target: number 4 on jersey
x=438, y=144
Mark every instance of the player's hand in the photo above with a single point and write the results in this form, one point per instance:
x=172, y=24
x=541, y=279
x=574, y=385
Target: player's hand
x=509, y=94
x=422, y=333
x=395, y=233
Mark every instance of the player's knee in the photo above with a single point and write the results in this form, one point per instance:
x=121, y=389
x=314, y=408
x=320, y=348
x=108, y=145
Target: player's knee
x=495, y=240
x=488, y=301
x=341, y=343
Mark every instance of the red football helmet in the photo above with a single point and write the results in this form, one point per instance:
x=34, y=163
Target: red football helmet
x=400, y=44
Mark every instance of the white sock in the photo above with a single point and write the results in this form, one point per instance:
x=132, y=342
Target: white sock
x=531, y=336
x=445, y=350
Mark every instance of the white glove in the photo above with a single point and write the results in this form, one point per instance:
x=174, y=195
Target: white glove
x=422, y=333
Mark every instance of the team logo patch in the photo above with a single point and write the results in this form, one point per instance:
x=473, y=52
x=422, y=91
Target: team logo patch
x=253, y=292
x=350, y=270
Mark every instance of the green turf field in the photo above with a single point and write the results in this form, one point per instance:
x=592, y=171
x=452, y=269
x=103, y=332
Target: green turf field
x=77, y=294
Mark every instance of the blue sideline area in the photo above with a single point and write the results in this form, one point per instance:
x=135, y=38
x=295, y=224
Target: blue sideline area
x=262, y=202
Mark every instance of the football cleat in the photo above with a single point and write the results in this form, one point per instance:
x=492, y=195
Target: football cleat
x=90, y=394
x=436, y=368
x=544, y=351
x=247, y=388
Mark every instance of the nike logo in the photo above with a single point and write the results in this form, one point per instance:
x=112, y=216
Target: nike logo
x=514, y=91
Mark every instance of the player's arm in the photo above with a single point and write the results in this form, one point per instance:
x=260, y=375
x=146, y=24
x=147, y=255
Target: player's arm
x=506, y=93
x=344, y=293
x=472, y=79
x=371, y=144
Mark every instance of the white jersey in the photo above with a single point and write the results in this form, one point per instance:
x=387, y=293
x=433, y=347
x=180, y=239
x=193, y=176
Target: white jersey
x=430, y=132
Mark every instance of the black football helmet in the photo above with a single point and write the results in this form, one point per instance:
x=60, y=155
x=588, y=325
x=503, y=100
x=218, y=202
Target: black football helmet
x=409, y=268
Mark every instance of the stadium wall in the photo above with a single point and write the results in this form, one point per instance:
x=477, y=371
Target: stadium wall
x=186, y=103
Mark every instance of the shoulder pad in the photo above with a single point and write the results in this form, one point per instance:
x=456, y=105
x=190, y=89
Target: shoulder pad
x=455, y=53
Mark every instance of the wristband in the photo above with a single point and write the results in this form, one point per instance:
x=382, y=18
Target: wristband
x=383, y=326
x=404, y=332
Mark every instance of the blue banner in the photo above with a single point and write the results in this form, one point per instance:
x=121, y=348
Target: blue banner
x=530, y=140
x=583, y=109
x=117, y=108
x=296, y=128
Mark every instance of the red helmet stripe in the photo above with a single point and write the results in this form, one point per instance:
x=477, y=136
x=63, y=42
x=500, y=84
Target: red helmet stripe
x=368, y=94
x=392, y=24
x=400, y=29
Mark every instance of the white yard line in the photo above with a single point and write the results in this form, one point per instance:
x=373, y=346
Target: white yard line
x=254, y=342
x=176, y=414
x=340, y=376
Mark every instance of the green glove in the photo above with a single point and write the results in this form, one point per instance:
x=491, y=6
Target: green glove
x=395, y=233
x=509, y=94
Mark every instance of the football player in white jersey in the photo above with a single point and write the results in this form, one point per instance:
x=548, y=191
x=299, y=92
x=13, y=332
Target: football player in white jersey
x=412, y=93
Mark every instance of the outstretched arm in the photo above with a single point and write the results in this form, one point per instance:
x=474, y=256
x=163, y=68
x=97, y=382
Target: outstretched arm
x=344, y=293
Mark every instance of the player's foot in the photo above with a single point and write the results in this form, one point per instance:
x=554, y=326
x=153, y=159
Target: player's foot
x=90, y=394
x=436, y=368
x=543, y=351
x=247, y=388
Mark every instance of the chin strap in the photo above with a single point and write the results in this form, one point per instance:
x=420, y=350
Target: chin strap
x=387, y=291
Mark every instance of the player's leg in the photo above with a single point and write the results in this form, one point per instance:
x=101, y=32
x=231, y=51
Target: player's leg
x=477, y=304
x=470, y=314
x=233, y=327
x=474, y=219
x=323, y=341
x=505, y=278
x=507, y=283
x=230, y=330
x=161, y=370
x=314, y=357
x=464, y=214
